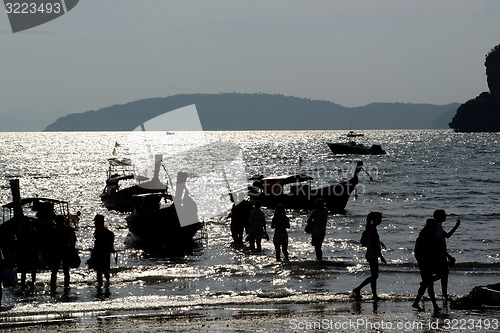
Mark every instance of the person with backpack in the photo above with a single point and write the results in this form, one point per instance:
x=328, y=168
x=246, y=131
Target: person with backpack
x=371, y=240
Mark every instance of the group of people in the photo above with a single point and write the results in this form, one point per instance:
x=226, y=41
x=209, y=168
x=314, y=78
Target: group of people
x=430, y=250
x=61, y=253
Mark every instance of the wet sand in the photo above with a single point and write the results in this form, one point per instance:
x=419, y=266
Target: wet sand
x=341, y=315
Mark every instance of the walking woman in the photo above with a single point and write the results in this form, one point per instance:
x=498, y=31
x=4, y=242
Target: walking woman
x=373, y=252
x=280, y=223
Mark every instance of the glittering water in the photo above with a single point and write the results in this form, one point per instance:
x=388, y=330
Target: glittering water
x=423, y=170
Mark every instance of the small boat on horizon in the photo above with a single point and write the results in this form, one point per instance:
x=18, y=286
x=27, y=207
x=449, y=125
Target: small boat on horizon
x=352, y=134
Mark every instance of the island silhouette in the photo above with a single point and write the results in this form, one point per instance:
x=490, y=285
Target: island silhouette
x=259, y=111
x=482, y=114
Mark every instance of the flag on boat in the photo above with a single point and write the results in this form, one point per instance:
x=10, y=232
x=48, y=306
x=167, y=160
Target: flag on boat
x=114, y=148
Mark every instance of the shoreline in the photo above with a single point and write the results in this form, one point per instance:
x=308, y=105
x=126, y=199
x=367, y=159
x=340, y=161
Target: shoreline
x=338, y=313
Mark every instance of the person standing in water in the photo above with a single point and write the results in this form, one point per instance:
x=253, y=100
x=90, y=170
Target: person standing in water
x=318, y=220
x=373, y=252
x=280, y=223
x=103, y=247
x=256, y=227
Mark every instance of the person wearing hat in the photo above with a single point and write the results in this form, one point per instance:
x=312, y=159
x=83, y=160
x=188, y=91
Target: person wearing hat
x=103, y=247
x=63, y=243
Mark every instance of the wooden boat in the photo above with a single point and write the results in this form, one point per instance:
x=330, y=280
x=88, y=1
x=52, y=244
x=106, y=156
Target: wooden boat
x=479, y=297
x=295, y=191
x=354, y=148
x=39, y=212
x=118, y=193
x=171, y=224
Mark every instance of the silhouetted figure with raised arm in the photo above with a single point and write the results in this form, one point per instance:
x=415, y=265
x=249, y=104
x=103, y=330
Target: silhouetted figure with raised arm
x=63, y=243
x=256, y=227
x=440, y=216
x=373, y=252
x=430, y=257
x=318, y=219
x=280, y=223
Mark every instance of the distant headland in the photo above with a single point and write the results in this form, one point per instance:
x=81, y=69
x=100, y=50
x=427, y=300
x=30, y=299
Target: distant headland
x=482, y=114
x=240, y=111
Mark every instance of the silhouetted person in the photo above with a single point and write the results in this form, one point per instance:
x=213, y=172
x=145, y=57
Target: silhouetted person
x=2, y=266
x=318, y=219
x=63, y=245
x=103, y=247
x=440, y=216
x=256, y=226
x=373, y=252
x=430, y=256
x=280, y=223
x=29, y=248
x=240, y=213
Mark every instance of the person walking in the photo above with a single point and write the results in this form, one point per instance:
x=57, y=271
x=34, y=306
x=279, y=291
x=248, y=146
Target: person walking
x=430, y=257
x=280, y=223
x=440, y=216
x=101, y=253
x=29, y=247
x=63, y=244
x=318, y=219
x=256, y=227
x=373, y=252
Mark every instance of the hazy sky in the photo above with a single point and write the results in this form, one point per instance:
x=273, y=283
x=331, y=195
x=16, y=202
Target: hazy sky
x=350, y=52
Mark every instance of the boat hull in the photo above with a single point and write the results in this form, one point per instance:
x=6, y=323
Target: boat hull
x=162, y=226
x=335, y=197
x=354, y=149
x=123, y=200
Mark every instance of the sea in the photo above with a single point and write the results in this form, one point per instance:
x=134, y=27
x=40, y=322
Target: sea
x=423, y=170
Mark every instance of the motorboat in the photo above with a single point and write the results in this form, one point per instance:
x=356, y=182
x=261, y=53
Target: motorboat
x=354, y=148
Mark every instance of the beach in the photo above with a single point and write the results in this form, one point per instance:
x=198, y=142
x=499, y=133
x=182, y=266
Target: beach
x=341, y=315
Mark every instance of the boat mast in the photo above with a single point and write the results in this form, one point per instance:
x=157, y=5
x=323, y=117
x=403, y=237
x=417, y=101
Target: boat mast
x=16, y=198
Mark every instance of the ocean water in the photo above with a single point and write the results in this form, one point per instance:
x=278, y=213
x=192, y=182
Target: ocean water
x=423, y=170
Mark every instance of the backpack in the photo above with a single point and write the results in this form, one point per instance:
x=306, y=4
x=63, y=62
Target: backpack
x=364, y=237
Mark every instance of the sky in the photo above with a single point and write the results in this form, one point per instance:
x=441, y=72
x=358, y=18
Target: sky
x=351, y=52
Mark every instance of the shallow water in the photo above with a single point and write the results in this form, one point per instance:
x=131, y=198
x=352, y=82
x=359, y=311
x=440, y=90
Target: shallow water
x=423, y=170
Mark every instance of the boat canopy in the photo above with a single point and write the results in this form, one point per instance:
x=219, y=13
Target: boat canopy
x=28, y=201
x=115, y=161
x=286, y=179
